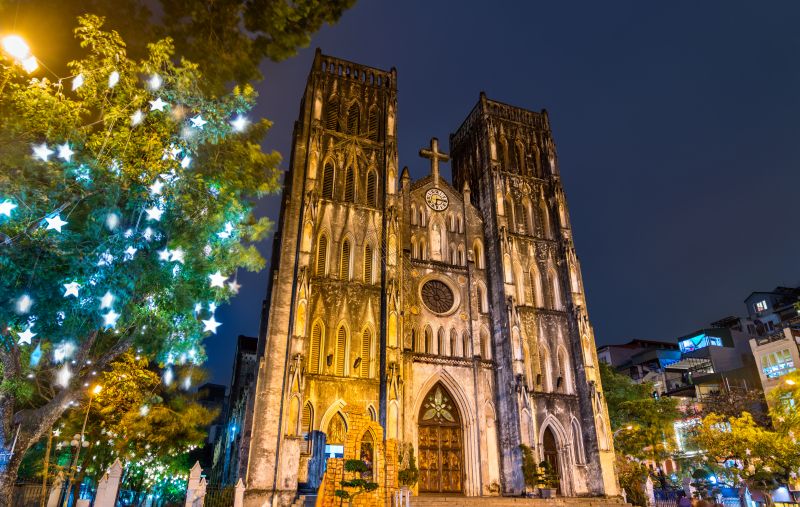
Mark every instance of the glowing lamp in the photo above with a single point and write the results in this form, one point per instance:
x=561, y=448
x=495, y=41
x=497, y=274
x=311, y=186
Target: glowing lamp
x=15, y=46
x=97, y=389
x=30, y=64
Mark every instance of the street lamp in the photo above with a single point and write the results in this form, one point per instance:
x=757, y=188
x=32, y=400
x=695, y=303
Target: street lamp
x=626, y=428
x=78, y=441
x=18, y=49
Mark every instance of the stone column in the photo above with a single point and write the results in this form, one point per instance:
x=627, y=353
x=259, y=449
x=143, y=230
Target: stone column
x=108, y=486
x=238, y=494
x=55, y=490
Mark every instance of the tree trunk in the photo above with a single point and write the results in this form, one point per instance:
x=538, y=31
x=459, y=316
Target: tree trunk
x=8, y=477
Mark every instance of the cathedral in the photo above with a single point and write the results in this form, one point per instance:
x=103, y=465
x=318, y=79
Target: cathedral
x=449, y=314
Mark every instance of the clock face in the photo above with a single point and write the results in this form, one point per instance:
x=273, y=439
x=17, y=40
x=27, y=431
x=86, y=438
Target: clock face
x=436, y=199
x=437, y=296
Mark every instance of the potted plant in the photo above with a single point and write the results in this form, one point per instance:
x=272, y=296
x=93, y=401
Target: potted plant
x=409, y=473
x=357, y=485
x=530, y=472
x=549, y=480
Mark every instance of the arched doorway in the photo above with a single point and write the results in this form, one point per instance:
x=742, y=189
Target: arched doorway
x=550, y=450
x=440, y=443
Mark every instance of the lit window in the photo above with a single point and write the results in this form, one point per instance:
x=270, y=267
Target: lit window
x=761, y=306
x=699, y=342
x=777, y=364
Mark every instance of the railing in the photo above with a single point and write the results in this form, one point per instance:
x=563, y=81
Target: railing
x=27, y=494
x=219, y=496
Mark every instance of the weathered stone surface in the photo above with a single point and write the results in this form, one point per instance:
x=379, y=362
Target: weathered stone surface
x=451, y=317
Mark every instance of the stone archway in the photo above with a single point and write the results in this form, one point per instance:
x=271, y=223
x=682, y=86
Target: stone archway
x=550, y=449
x=441, y=443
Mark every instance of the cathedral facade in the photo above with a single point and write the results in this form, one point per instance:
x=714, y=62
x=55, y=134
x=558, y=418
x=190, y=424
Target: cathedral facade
x=451, y=313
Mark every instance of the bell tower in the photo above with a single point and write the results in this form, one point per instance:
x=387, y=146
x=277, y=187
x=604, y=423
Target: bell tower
x=543, y=344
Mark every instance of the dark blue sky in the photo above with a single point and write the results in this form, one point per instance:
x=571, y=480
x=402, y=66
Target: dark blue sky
x=677, y=126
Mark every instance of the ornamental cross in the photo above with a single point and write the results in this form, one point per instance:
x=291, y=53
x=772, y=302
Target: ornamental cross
x=435, y=156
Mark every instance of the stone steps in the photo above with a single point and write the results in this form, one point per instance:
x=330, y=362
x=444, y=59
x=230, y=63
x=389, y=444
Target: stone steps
x=457, y=501
x=305, y=501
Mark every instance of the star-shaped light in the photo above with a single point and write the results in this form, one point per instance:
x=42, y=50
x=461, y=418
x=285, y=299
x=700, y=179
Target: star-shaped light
x=65, y=152
x=41, y=152
x=156, y=187
x=24, y=303
x=130, y=252
x=163, y=255
x=234, y=286
x=144, y=410
x=198, y=121
x=55, y=223
x=26, y=336
x=63, y=375
x=197, y=307
x=137, y=117
x=240, y=123
x=110, y=319
x=177, y=255
x=155, y=82
x=113, y=79
x=154, y=213
x=211, y=325
x=107, y=300
x=77, y=82
x=168, y=376
x=157, y=105
x=217, y=280
x=72, y=289
x=6, y=207
x=185, y=161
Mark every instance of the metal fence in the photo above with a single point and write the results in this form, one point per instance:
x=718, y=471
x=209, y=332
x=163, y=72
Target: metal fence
x=27, y=494
x=219, y=496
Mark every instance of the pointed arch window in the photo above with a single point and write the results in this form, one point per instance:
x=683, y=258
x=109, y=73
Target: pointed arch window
x=521, y=224
x=341, y=350
x=555, y=291
x=422, y=217
x=322, y=255
x=373, y=124
x=485, y=345
x=307, y=421
x=366, y=352
x=327, y=181
x=414, y=250
x=546, y=231
x=577, y=443
x=344, y=261
x=428, y=346
x=372, y=189
x=536, y=288
x=453, y=343
x=368, y=264
x=562, y=371
x=413, y=215
x=353, y=119
x=314, y=348
x=465, y=343
x=332, y=113
x=440, y=342
x=520, y=153
x=478, y=251
x=349, y=185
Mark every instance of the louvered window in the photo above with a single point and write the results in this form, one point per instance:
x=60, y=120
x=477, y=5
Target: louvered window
x=372, y=193
x=322, y=255
x=314, y=347
x=332, y=113
x=368, y=264
x=353, y=120
x=349, y=186
x=366, y=347
x=327, y=182
x=373, y=124
x=341, y=342
x=344, y=261
x=307, y=416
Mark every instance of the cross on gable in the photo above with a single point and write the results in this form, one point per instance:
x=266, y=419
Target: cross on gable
x=435, y=156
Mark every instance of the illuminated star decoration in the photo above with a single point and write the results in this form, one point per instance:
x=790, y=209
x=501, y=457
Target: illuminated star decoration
x=77, y=82
x=110, y=319
x=155, y=82
x=168, y=376
x=157, y=187
x=157, y=105
x=185, y=161
x=65, y=152
x=198, y=121
x=137, y=117
x=107, y=300
x=72, y=289
x=234, y=286
x=163, y=255
x=211, y=325
x=25, y=336
x=154, y=213
x=217, y=280
x=227, y=232
x=63, y=375
x=113, y=79
x=130, y=252
x=55, y=223
x=177, y=255
x=6, y=207
x=240, y=123
x=42, y=152
x=24, y=304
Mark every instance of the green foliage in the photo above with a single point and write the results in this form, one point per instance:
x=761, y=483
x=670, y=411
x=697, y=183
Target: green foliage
x=530, y=472
x=358, y=484
x=102, y=193
x=409, y=473
x=632, y=476
x=229, y=39
x=643, y=424
x=548, y=476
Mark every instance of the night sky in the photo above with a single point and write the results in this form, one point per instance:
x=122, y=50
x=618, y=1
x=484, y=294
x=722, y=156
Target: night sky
x=677, y=126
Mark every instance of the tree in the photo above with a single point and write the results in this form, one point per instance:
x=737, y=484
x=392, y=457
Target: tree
x=228, y=38
x=357, y=485
x=644, y=423
x=126, y=198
